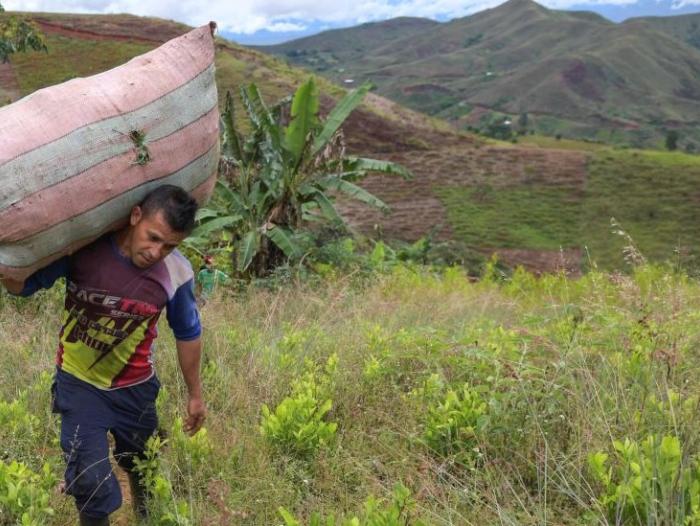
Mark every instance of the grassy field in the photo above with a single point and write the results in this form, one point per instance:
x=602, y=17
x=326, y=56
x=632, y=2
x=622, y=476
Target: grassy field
x=650, y=195
x=67, y=60
x=526, y=401
x=541, y=218
x=541, y=141
x=643, y=191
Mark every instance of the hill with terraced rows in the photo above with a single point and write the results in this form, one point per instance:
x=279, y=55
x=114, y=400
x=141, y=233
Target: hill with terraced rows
x=543, y=203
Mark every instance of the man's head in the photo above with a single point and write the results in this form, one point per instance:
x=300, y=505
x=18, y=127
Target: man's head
x=158, y=225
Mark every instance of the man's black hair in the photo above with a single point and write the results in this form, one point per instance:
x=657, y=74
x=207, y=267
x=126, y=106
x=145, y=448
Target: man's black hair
x=178, y=207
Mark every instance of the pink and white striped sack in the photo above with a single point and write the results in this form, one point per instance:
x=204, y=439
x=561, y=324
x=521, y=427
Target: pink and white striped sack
x=68, y=170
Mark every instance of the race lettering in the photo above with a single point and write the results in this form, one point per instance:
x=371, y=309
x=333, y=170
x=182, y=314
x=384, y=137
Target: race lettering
x=138, y=307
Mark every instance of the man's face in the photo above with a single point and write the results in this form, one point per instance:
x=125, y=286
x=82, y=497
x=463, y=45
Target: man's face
x=152, y=239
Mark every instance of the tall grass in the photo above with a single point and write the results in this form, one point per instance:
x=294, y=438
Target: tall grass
x=487, y=400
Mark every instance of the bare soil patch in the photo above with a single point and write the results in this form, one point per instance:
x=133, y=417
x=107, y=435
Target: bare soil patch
x=124, y=27
x=416, y=210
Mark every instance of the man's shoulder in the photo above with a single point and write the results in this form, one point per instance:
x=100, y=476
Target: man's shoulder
x=101, y=244
x=179, y=270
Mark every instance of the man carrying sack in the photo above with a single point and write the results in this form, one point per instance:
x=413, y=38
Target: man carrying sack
x=116, y=289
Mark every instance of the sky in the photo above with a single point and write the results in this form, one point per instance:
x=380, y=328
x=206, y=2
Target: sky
x=271, y=21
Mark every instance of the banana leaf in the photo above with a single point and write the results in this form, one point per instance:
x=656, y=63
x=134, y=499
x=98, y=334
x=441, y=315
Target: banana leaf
x=215, y=225
x=231, y=144
x=354, y=191
x=284, y=239
x=337, y=116
x=354, y=164
x=304, y=120
x=250, y=244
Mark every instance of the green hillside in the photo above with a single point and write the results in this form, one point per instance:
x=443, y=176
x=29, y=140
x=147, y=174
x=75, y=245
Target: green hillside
x=541, y=202
x=685, y=28
x=358, y=42
x=571, y=73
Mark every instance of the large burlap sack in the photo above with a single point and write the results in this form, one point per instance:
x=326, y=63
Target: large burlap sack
x=71, y=165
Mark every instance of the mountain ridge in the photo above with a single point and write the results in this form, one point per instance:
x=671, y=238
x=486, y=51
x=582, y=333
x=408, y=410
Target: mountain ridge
x=576, y=68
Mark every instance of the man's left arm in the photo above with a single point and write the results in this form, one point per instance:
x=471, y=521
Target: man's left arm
x=183, y=318
x=189, y=355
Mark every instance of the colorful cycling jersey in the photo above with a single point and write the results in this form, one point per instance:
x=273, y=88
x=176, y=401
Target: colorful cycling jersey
x=112, y=309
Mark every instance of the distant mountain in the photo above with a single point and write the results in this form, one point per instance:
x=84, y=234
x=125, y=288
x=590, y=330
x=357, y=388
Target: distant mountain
x=557, y=72
x=356, y=42
x=641, y=8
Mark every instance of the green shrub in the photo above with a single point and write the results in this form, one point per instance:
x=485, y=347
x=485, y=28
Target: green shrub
x=192, y=455
x=15, y=417
x=19, y=429
x=298, y=425
x=649, y=482
x=396, y=512
x=24, y=494
x=453, y=424
x=195, y=448
x=163, y=508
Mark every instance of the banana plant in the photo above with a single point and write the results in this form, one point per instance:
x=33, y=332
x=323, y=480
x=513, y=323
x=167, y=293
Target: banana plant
x=18, y=35
x=281, y=177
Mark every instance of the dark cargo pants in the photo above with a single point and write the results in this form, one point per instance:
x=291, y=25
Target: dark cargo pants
x=87, y=415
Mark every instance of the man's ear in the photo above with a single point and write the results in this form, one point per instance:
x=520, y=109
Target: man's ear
x=136, y=215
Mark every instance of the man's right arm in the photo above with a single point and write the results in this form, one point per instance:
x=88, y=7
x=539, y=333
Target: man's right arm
x=42, y=279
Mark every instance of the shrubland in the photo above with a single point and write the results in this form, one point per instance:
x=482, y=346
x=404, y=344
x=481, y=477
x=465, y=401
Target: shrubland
x=407, y=395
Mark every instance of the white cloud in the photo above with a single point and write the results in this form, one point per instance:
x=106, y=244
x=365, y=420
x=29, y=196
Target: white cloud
x=249, y=16
x=680, y=4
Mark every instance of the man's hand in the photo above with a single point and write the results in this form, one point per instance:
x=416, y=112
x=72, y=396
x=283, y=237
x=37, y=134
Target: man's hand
x=196, y=413
x=189, y=354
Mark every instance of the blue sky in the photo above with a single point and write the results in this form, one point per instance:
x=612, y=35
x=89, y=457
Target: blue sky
x=270, y=21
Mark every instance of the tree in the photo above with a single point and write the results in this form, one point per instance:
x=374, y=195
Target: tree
x=523, y=122
x=501, y=130
x=18, y=35
x=281, y=178
x=672, y=137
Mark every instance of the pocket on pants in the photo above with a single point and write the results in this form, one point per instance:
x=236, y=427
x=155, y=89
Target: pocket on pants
x=93, y=485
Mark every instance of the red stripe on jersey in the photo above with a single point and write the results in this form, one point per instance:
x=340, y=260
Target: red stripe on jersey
x=139, y=367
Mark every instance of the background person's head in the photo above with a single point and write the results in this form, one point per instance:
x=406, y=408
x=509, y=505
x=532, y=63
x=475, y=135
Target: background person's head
x=158, y=225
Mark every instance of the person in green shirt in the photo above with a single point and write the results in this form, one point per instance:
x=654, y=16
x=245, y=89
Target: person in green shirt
x=209, y=278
